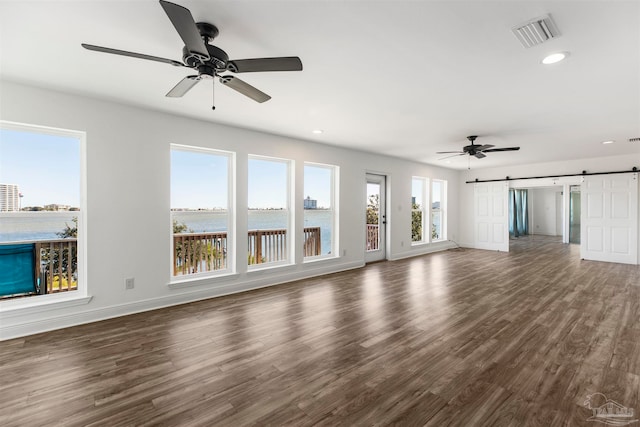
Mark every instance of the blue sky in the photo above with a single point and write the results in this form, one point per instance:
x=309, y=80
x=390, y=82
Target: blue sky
x=267, y=184
x=45, y=167
x=317, y=184
x=417, y=190
x=199, y=180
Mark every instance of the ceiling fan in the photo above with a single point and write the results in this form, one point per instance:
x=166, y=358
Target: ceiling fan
x=208, y=60
x=475, y=150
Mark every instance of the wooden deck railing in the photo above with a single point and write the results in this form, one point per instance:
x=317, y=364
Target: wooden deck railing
x=373, y=241
x=56, y=261
x=267, y=246
x=201, y=252
x=312, y=241
x=197, y=252
x=56, y=266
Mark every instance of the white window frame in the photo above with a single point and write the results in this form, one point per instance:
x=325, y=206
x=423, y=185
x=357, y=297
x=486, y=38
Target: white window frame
x=424, y=211
x=442, y=210
x=335, y=171
x=34, y=304
x=231, y=217
x=290, y=234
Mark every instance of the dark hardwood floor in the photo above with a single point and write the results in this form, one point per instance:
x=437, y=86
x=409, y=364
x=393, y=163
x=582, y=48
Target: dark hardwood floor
x=462, y=337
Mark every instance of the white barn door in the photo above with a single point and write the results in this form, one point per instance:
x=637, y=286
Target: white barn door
x=610, y=218
x=491, y=207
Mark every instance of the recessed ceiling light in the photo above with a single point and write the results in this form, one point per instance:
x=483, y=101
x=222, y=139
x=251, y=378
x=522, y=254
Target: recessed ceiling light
x=554, y=57
x=317, y=131
x=608, y=142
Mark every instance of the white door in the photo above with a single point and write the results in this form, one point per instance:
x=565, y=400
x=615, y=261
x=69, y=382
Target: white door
x=491, y=216
x=376, y=215
x=609, y=220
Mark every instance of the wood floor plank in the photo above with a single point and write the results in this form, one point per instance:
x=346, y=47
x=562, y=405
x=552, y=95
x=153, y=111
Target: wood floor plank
x=461, y=337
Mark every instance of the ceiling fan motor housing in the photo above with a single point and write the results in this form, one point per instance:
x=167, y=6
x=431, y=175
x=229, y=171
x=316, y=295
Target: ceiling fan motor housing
x=218, y=58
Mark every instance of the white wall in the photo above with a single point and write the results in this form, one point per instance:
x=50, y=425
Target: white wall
x=128, y=217
x=543, y=213
x=465, y=196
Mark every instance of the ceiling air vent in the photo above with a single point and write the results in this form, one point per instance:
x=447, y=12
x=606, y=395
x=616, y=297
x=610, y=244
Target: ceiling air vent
x=634, y=139
x=536, y=31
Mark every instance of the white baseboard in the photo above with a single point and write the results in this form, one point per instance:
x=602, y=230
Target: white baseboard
x=424, y=249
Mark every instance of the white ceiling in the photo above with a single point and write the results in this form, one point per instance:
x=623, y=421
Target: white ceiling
x=401, y=78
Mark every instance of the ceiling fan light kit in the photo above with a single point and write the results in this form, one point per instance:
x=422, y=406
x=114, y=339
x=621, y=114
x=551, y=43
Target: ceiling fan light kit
x=208, y=60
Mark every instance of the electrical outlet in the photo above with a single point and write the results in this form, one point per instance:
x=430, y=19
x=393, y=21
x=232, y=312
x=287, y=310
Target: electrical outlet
x=129, y=283
x=344, y=252
x=401, y=242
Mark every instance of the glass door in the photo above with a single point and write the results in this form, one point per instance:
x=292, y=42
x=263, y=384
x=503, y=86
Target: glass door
x=376, y=218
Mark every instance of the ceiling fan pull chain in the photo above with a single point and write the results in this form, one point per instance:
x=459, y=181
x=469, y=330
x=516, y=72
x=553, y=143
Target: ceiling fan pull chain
x=213, y=94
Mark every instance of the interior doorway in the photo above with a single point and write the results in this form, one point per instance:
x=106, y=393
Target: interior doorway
x=537, y=211
x=574, y=214
x=376, y=218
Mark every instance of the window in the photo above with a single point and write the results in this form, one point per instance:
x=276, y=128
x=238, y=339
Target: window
x=41, y=220
x=201, y=211
x=269, y=217
x=421, y=210
x=438, y=206
x=418, y=209
x=320, y=222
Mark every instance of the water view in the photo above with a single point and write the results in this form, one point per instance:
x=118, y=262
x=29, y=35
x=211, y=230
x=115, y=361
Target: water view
x=29, y=226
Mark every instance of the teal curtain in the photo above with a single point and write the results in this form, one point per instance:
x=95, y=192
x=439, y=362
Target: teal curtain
x=518, y=212
x=17, y=269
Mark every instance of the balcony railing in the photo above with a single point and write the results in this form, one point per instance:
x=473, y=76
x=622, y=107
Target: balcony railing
x=203, y=252
x=57, y=265
x=373, y=240
x=312, y=241
x=196, y=252
x=53, y=264
x=38, y=267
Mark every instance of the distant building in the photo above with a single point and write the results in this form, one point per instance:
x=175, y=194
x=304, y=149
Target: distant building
x=9, y=198
x=310, y=203
x=56, y=207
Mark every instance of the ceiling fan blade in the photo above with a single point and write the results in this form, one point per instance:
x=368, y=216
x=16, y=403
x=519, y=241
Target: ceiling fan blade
x=449, y=152
x=484, y=147
x=183, y=86
x=453, y=155
x=287, y=63
x=479, y=155
x=132, y=54
x=244, y=88
x=184, y=24
x=502, y=149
